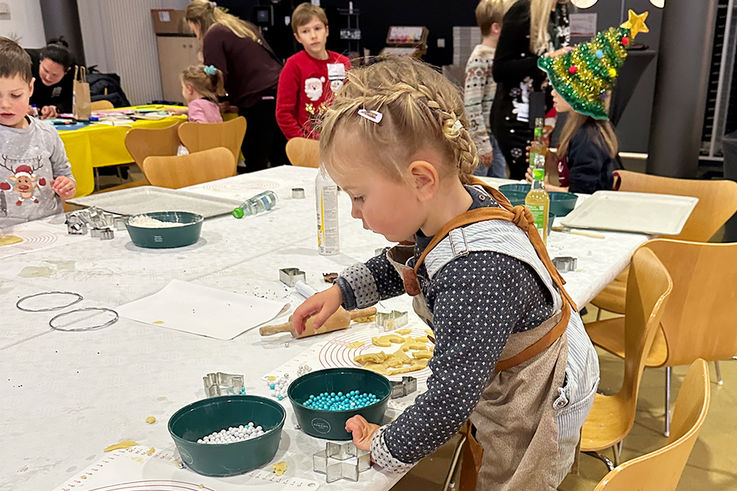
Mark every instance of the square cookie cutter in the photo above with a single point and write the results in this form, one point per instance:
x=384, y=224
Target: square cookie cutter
x=392, y=320
x=221, y=384
x=341, y=461
x=565, y=264
x=404, y=387
x=290, y=276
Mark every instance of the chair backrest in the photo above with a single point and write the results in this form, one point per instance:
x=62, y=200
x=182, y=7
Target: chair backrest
x=201, y=136
x=303, y=152
x=187, y=170
x=661, y=469
x=147, y=142
x=699, y=321
x=717, y=200
x=648, y=287
x=101, y=105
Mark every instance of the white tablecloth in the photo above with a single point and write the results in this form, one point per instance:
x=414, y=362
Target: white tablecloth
x=67, y=396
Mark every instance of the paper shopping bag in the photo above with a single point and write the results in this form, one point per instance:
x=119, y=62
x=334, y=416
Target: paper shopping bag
x=81, y=105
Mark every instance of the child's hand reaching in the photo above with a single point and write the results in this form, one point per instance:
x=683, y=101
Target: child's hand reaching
x=362, y=431
x=64, y=187
x=320, y=305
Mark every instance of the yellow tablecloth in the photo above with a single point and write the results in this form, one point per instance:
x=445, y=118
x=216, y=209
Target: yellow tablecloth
x=100, y=145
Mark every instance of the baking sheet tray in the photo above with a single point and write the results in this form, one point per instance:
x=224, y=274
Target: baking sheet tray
x=145, y=199
x=653, y=214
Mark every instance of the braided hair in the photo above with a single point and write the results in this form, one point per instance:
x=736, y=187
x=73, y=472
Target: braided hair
x=418, y=108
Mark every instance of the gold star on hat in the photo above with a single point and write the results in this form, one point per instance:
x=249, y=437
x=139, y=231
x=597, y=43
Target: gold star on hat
x=636, y=23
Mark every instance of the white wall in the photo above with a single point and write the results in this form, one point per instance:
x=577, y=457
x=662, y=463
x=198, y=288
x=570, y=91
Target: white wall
x=25, y=24
x=118, y=37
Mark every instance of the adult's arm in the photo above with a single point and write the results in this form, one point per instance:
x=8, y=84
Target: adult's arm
x=513, y=60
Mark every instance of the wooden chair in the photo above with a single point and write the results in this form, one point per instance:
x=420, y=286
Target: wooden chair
x=186, y=170
x=201, y=136
x=303, y=152
x=717, y=203
x=611, y=417
x=147, y=142
x=101, y=105
x=699, y=319
x=661, y=469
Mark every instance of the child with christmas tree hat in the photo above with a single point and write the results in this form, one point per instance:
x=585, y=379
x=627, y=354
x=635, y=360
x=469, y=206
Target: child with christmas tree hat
x=582, y=81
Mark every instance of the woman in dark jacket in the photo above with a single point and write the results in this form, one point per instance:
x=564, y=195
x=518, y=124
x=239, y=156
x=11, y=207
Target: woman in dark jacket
x=530, y=28
x=251, y=72
x=53, y=78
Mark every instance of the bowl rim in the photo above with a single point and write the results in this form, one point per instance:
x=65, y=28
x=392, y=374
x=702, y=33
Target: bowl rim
x=299, y=404
x=188, y=408
x=197, y=219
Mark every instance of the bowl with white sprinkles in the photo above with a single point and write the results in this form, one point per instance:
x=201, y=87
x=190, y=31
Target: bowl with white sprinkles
x=227, y=435
x=164, y=229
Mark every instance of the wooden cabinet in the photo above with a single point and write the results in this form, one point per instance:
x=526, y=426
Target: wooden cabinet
x=175, y=54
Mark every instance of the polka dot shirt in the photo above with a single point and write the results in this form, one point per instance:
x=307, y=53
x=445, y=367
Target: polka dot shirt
x=477, y=301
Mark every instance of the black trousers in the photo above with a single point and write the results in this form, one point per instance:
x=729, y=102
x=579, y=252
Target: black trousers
x=264, y=143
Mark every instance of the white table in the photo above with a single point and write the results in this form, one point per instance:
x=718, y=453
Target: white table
x=67, y=396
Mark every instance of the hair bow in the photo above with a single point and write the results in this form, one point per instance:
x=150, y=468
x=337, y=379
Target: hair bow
x=210, y=70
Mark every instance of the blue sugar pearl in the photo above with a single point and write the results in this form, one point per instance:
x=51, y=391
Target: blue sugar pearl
x=599, y=53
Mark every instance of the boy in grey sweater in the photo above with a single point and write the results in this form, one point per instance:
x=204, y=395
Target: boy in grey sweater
x=35, y=175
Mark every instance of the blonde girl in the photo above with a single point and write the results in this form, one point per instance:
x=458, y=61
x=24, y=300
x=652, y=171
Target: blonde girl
x=250, y=71
x=396, y=140
x=201, y=87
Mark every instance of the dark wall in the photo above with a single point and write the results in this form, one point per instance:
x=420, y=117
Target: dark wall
x=375, y=17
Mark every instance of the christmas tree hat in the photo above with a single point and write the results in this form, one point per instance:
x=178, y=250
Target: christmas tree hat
x=584, y=75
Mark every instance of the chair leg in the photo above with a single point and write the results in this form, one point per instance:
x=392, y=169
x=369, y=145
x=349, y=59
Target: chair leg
x=609, y=464
x=598, y=313
x=720, y=381
x=454, y=463
x=668, y=373
x=617, y=450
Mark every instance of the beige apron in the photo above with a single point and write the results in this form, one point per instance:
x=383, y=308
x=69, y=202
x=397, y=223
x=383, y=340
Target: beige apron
x=516, y=418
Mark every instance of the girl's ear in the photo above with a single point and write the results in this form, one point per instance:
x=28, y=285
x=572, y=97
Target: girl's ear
x=424, y=179
x=496, y=28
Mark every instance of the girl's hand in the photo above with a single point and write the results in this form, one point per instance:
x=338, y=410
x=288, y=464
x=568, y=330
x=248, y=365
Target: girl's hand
x=362, y=431
x=48, y=112
x=64, y=187
x=320, y=305
x=560, y=51
x=528, y=175
x=486, y=159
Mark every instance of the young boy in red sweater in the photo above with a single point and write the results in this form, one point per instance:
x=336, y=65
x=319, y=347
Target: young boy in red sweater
x=309, y=78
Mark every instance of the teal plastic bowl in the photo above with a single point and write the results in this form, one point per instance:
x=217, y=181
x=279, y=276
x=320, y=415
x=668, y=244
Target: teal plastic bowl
x=561, y=204
x=331, y=424
x=167, y=237
x=201, y=418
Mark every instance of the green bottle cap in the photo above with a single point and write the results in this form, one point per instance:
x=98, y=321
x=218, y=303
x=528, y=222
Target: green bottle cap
x=238, y=213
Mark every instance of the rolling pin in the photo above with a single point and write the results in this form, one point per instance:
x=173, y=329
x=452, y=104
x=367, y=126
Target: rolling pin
x=341, y=319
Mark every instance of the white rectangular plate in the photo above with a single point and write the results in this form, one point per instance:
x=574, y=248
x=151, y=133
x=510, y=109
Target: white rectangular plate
x=653, y=214
x=146, y=199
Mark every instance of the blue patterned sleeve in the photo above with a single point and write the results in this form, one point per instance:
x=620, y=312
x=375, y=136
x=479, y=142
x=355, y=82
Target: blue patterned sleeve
x=364, y=284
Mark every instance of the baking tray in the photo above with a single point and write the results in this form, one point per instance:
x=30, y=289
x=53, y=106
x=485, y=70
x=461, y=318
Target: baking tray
x=652, y=214
x=147, y=199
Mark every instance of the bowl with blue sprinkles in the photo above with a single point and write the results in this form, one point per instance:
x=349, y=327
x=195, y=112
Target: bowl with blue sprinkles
x=324, y=400
x=227, y=435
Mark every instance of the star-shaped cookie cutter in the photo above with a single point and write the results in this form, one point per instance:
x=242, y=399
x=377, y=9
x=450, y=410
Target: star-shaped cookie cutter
x=341, y=461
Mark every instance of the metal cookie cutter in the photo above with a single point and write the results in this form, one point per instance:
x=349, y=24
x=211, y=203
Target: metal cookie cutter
x=298, y=193
x=392, y=320
x=403, y=388
x=220, y=384
x=341, y=461
x=75, y=225
x=102, y=233
x=290, y=276
x=565, y=264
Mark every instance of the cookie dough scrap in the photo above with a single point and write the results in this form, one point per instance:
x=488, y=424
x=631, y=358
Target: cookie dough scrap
x=388, y=340
x=366, y=318
x=416, y=365
x=422, y=355
x=376, y=358
x=403, y=332
x=280, y=468
x=355, y=345
x=414, y=345
x=123, y=444
x=429, y=332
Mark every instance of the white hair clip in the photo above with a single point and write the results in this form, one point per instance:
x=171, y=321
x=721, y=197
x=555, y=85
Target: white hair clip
x=457, y=125
x=213, y=4
x=373, y=116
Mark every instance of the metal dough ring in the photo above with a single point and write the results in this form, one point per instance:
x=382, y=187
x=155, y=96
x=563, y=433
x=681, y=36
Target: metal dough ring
x=86, y=309
x=79, y=299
